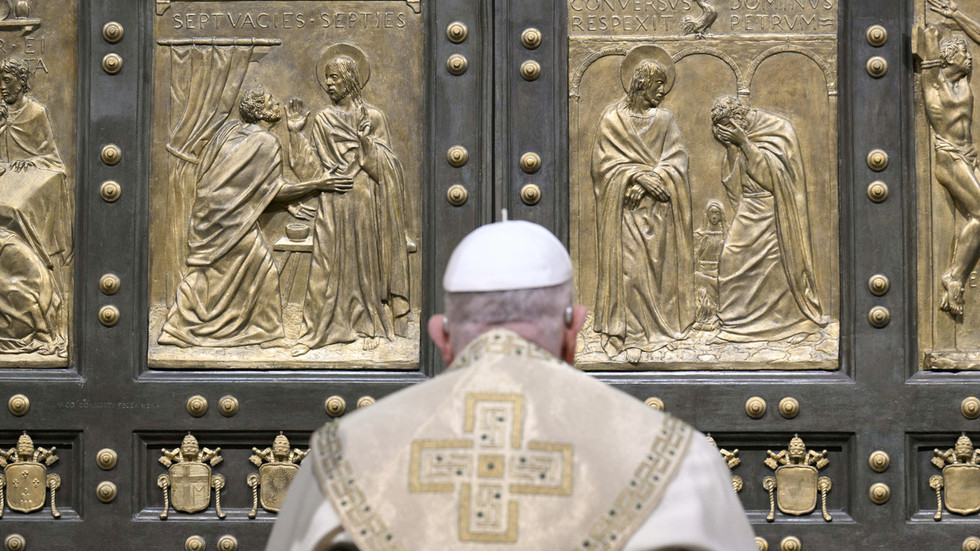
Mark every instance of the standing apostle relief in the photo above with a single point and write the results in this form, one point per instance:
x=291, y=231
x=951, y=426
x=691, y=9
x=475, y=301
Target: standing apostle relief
x=286, y=185
x=704, y=184
x=37, y=155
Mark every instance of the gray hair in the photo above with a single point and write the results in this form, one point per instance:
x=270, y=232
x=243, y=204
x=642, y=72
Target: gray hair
x=471, y=314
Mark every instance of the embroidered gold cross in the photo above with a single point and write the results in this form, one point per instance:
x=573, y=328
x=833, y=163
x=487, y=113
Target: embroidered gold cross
x=492, y=469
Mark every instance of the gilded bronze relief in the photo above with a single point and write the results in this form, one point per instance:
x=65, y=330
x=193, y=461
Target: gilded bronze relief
x=948, y=187
x=286, y=184
x=278, y=466
x=37, y=159
x=25, y=477
x=189, y=479
x=960, y=481
x=700, y=159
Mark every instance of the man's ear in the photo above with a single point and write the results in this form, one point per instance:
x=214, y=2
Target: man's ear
x=570, y=334
x=439, y=335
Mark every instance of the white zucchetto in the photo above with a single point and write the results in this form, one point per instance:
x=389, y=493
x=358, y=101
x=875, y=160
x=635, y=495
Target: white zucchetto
x=506, y=256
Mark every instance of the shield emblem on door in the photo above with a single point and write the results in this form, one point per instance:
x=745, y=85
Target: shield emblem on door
x=190, y=487
x=962, y=488
x=275, y=479
x=796, y=489
x=25, y=486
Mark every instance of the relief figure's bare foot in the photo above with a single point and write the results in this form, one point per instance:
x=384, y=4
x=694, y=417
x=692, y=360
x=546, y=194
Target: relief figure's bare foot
x=952, y=300
x=633, y=355
x=371, y=343
x=299, y=350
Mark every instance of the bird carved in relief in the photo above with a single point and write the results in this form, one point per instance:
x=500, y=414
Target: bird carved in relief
x=698, y=26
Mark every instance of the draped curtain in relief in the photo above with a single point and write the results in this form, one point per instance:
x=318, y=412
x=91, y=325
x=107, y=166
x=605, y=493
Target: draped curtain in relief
x=204, y=84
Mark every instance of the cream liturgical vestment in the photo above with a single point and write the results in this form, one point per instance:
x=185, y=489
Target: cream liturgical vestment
x=511, y=448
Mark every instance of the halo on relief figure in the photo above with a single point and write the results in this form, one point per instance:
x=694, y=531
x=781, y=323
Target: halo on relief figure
x=333, y=51
x=647, y=52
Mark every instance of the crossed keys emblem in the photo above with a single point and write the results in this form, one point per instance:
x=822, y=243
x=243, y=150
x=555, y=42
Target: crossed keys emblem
x=25, y=477
x=960, y=478
x=188, y=481
x=795, y=486
x=277, y=468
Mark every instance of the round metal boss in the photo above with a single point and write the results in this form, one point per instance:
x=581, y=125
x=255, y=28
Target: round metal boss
x=228, y=405
x=878, y=285
x=457, y=32
x=14, y=542
x=106, y=491
x=878, y=191
x=879, y=493
x=530, y=162
x=879, y=461
x=109, y=284
x=110, y=191
x=790, y=543
x=970, y=407
x=365, y=401
x=335, y=406
x=877, y=66
x=762, y=543
x=877, y=160
x=227, y=543
x=197, y=405
x=457, y=156
x=457, y=64
x=19, y=405
x=531, y=194
x=877, y=35
x=112, y=32
x=789, y=407
x=195, y=543
x=971, y=543
x=106, y=459
x=655, y=403
x=109, y=315
x=755, y=407
x=530, y=70
x=111, y=154
x=457, y=195
x=879, y=317
x=531, y=38
x=112, y=63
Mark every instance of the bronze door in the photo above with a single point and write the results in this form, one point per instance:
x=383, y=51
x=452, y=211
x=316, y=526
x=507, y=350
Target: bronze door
x=188, y=261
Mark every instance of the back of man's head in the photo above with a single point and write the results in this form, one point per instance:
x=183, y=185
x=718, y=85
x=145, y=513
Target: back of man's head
x=516, y=275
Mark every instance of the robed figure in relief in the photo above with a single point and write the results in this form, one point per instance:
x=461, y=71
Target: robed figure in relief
x=229, y=295
x=645, y=290
x=766, y=285
x=359, y=280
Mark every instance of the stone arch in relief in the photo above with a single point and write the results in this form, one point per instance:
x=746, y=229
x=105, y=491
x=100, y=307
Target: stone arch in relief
x=824, y=64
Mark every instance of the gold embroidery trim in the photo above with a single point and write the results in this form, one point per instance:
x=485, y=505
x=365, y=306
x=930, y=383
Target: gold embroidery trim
x=339, y=484
x=493, y=470
x=501, y=343
x=651, y=477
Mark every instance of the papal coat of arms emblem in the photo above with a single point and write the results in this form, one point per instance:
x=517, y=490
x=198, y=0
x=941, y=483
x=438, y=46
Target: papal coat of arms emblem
x=277, y=468
x=188, y=482
x=25, y=477
x=960, y=478
x=796, y=483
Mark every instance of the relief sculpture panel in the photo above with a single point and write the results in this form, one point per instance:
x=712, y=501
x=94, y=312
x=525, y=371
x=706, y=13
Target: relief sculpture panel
x=703, y=163
x=285, y=184
x=37, y=160
x=948, y=184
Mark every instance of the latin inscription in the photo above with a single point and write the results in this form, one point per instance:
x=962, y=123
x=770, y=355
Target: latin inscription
x=287, y=20
x=664, y=17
